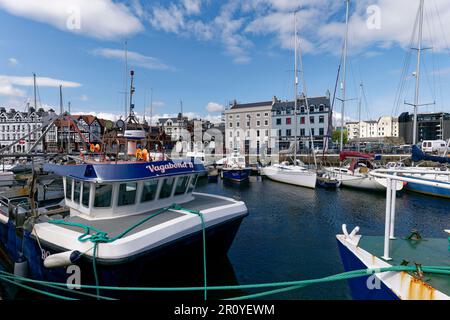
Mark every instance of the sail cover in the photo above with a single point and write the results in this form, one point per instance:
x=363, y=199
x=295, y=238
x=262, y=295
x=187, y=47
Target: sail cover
x=354, y=154
x=419, y=155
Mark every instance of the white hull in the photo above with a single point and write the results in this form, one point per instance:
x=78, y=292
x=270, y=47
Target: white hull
x=363, y=182
x=6, y=178
x=294, y=176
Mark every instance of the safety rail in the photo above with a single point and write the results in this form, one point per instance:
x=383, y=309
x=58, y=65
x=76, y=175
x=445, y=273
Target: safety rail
x=393, y=175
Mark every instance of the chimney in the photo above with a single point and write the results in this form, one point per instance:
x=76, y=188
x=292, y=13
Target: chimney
x=274, y=100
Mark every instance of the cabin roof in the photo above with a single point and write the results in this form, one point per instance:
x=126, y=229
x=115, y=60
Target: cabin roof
x=128, y=171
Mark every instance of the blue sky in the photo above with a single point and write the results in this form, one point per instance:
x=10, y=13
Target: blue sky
x=207, y=52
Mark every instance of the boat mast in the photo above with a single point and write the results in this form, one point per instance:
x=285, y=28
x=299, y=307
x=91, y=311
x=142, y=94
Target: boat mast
x=295, y=86
x=344, y=75
x=419, y=56
x=359, y=115
x=125, y=89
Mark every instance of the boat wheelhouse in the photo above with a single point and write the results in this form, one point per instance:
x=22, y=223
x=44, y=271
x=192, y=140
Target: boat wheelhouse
x=235, y=169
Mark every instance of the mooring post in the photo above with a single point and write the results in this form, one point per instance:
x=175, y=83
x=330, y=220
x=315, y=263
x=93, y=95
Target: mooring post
x=387, y=225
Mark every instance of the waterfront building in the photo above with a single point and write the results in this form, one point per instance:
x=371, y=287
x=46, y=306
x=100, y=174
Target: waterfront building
x=384, y=127
x=430, y=126
x=16, y=124
x=174, y=126
x=248, y=128
x=283, y=121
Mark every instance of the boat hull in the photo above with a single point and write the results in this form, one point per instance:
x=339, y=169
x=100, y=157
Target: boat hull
x=148, y=267
x=429, y=190
x=236, y=175
x=363, y=182
x=298, y=178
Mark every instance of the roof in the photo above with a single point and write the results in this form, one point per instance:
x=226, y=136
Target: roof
x=252, y=105
x=126, y=171
x=317, y=101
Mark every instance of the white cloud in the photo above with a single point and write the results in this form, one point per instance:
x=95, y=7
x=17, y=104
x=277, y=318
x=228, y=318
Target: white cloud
x=134, y=58
x=103, y=19
x=84, y=97
x=192, y=6
x=8, y=84
x=13, y=62
x=214, y=107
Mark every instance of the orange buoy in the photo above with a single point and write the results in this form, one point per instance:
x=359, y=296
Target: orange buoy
x=145, y=154
x=92, y=147
x=139, y=154
x=97, y=148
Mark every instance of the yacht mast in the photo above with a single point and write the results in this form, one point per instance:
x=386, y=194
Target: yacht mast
x=344, y=75
x=126, y=80
x=296, y=87
x=359, y=115
x=419, y=56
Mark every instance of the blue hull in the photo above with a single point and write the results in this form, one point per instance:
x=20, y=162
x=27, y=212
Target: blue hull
x=149, y=269
x=358, y=286
x=236, y=175
x=428, y=190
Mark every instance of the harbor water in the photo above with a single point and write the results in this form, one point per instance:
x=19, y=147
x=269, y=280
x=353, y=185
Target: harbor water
x=290, y=231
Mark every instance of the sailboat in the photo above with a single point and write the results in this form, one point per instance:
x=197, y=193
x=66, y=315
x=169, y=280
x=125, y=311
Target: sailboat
x=297, y=173
x=354, y=172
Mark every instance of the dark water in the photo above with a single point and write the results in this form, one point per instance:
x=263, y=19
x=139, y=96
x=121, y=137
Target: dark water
x=290, y=231
x=290, y=234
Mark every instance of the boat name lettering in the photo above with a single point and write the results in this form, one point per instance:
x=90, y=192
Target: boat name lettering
x=170, y=166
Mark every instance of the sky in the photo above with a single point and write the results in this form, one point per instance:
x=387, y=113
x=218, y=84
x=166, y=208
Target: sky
x=207, y=53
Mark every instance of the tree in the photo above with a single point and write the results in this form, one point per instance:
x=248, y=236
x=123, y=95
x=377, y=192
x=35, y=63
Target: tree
x=336, y=136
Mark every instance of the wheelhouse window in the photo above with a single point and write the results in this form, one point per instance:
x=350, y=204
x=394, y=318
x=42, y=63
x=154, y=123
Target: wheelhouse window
x=149, y=189
x=192, y=183
x=76, y=191
x=127, y=194
x=166, y=189
x=182, y=184
x=103, y=196
x=86, y=193
x=69, y=188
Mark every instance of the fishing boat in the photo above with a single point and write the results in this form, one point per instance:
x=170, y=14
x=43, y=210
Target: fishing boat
x=109, y=199
x=213, y=174
x=407, y=257
x=354, y=173
x=234, y=168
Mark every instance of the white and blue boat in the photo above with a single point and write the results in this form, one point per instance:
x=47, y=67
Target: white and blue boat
x=125, y=215
x=428, y=173
x=235, y=169
x=427, y=258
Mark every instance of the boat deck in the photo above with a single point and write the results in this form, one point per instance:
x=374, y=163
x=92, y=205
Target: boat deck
x=115, y=226
x=427, y=252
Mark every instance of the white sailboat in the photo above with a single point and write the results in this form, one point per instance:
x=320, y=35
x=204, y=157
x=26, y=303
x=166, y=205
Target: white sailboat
x=296, y=174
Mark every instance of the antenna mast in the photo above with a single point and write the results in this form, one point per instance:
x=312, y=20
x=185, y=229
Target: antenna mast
x=344, y=75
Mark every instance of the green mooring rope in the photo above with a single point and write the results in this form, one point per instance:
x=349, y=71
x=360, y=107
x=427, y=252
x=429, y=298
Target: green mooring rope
x=102, y=237
x=285, y=286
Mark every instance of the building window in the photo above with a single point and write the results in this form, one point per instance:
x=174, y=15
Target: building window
x=257, y=133
x=237, y=124
x=288, y=120
x=127, y=194
x=231, y=134
x=288, y=132
x=237, y=134
x=86, y=193
x=103, y=196
x=267, y=133
x=166, y=190
x=279, y=133
x=312, y=132
x=278, y=121
x=311, y=119
x=302, y=132
x=266, y=122
x=302, y=120
x=321, y=119
x=230, y=117
x=266, y=114
x=258, y=115
x=321, y=108
x=231, y=125
x=320, y=131
x=248, y=123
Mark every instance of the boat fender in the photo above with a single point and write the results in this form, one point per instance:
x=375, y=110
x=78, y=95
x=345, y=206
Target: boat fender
x=21, y=267
x=62, y=259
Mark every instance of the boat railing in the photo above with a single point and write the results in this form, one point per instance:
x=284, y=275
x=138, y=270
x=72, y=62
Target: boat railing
x=392, y=176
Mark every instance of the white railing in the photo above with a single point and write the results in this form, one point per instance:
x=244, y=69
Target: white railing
x=392, y=175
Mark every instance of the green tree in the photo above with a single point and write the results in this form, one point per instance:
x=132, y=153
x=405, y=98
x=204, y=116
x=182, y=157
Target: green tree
x=336, y=136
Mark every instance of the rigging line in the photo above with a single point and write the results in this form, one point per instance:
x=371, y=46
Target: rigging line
x=444, y=35
x=405, y=70
x=431, y=31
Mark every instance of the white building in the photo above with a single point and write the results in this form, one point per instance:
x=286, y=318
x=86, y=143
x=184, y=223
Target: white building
x=14, y=125
x=385, y=127
x=248, y=128
x=173, y=127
